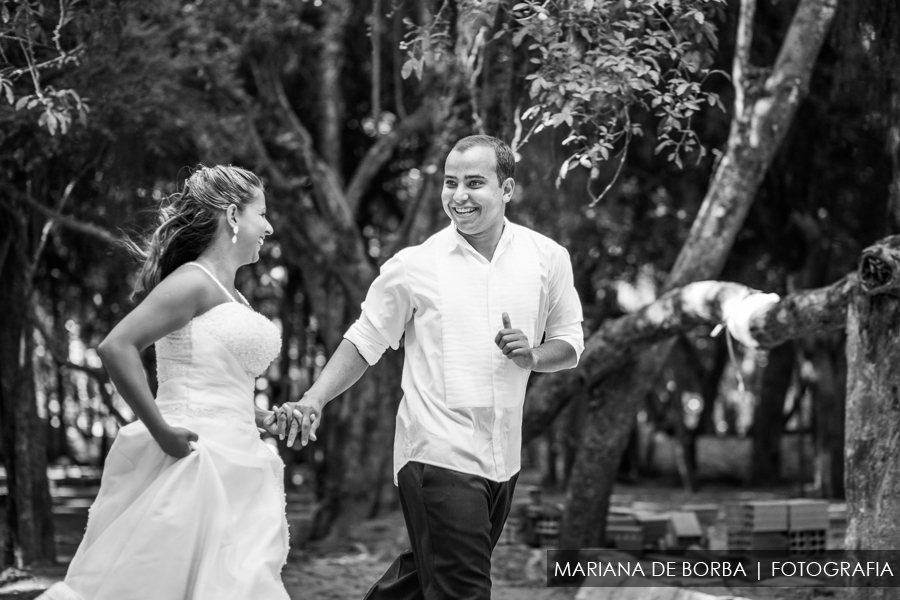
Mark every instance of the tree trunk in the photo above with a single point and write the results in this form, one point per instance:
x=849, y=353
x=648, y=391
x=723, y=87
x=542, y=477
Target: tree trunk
x=768, y=416
x=29, y=522
x=698, y=304
x=873, y=409
x=358, y=449
x=828, y=389
x=331, y=63
x=605, y=435
x=756, y=134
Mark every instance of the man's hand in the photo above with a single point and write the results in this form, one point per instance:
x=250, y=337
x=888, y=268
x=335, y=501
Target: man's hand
x=307, y=416
x=275, y=421
x=514, y=345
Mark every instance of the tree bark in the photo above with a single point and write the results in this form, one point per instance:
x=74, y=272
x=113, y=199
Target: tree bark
x=698, y=304
x=826, y=353
x=29, y=521
x=730, y=195
x=873, y=409
x=768, y=416
x=617, y=342
x=331, y=64
x=757, y=131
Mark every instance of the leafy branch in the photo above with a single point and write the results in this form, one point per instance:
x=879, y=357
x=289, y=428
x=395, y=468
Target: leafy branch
x=26, y=51
x=597, y=62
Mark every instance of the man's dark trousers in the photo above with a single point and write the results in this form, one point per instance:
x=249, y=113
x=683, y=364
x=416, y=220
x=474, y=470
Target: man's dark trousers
x=454, y=521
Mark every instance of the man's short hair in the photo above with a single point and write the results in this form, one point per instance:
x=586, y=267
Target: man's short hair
x=506, y=162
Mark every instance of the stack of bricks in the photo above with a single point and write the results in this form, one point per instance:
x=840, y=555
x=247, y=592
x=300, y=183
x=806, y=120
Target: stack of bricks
x=757, y=525
x=799, y=527
x=547, y=529
x=807, y=527
x=624, y=533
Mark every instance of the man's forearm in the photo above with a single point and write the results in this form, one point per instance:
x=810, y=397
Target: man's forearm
x=554, y=355
x=344, y=369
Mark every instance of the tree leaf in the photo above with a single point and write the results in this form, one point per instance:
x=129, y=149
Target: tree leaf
x=518, y=36
x=407, y=68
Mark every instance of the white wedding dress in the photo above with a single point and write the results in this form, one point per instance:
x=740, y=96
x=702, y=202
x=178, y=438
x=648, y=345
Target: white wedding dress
x=212, y=525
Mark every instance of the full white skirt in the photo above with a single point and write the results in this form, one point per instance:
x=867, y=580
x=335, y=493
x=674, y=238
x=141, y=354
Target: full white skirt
x=210, y=526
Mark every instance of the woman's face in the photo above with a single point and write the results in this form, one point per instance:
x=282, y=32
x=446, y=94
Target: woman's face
x=253, y=227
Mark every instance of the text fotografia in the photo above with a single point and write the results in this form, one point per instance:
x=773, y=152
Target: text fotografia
x=599, y=568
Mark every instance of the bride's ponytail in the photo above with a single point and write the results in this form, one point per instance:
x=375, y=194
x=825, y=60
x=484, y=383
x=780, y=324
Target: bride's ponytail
x=189, y=220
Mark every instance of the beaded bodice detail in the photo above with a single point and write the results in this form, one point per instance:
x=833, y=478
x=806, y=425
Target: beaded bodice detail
x=250, y=337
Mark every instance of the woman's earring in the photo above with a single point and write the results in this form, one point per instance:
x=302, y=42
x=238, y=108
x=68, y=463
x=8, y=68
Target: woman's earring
x=235, y=230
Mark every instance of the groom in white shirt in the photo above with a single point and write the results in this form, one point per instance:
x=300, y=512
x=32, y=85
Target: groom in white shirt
x=482, y=303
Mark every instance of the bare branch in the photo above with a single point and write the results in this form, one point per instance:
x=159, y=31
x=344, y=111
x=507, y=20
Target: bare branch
x=331, y=100
x=376, y=59
x=742, y=54
x=382, y=151
x=327, y=187
x=61, y=357
x=45, y=233
x=264, y=160
x=89, y=229
x=66, y=221
x=4, y=251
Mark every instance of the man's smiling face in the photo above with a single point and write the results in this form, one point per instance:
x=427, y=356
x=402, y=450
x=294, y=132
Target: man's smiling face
x=473, y=195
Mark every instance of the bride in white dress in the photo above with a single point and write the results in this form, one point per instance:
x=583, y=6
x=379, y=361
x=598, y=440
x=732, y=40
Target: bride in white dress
x=191, y=503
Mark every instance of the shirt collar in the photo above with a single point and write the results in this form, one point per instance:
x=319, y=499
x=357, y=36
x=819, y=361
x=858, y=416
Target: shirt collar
x=453, y=239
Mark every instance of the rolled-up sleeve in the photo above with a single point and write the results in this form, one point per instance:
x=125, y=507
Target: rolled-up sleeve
x=385, y=312
x=565, y=316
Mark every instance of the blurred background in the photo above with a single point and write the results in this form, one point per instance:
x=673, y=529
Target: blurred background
x=625, y=118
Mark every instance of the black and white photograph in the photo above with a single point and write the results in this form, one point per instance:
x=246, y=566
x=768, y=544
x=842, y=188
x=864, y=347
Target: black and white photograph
x=450, y=299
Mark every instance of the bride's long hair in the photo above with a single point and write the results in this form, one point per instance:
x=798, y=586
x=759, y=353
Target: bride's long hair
x=188, y=220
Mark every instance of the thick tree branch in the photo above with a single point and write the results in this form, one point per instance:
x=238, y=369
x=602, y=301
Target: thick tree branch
x=741, y=63
x=704, y=303
x=326, y=183
x=331, y=97
x=382, y=151
x=752, y=145
x=89, y=229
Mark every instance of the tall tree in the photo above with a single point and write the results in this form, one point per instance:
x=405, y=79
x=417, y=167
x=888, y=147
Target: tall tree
x=762, y=117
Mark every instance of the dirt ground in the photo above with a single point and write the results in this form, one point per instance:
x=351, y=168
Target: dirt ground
x=346, y=569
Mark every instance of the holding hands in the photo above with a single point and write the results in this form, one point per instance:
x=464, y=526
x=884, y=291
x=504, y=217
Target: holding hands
x=515, y=346
x=309, y=413
x=292, y=418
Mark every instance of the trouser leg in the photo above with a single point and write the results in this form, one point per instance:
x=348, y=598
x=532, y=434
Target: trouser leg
x=454, y=521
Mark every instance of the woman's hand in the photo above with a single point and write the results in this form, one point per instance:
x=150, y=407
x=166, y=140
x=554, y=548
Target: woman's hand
x=276, y=421
x=176, y=441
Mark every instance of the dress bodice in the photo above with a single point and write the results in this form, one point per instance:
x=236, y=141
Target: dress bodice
x=207, y=369
x=252, y=339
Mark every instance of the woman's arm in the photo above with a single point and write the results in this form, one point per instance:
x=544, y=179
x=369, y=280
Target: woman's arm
x=170, y=306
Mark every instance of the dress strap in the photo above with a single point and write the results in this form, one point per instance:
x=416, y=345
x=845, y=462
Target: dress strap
x=214, y=278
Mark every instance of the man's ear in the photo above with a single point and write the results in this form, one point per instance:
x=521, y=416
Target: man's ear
x=508, y=187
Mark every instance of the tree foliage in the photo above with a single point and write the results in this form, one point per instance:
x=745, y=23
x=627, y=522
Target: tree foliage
x=596, y=63
x=36, y=44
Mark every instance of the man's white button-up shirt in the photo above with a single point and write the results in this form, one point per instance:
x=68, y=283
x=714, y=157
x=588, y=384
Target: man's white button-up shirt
x=463, y=399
